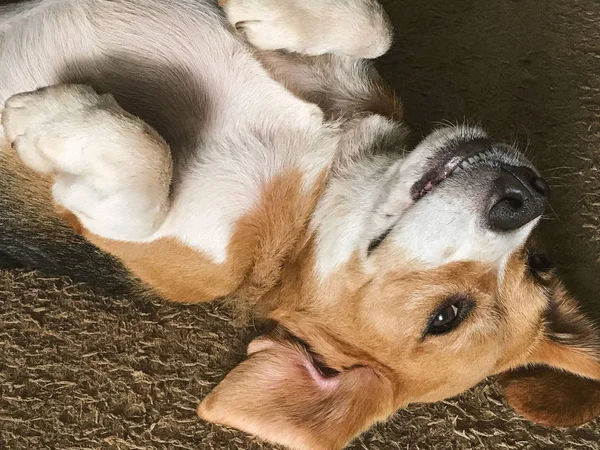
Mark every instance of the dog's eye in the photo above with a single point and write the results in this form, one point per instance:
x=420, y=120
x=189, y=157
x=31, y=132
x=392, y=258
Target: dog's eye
x=449, y=316
x=538, y=263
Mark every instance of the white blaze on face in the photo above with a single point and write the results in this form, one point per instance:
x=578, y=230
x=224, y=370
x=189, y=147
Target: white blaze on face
x=446, y=227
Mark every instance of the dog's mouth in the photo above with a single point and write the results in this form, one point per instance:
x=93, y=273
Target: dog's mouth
x=457, y=154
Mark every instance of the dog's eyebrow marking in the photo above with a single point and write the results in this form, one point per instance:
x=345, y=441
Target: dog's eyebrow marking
x=378, y=240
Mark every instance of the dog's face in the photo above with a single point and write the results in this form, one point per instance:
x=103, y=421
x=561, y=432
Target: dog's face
x=437, y=294
x=444, y=287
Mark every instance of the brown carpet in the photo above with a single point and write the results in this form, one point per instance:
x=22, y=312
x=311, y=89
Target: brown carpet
x=82, y=371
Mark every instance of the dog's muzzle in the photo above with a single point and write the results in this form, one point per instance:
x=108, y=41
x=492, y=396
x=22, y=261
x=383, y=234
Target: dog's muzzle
x=518, y=194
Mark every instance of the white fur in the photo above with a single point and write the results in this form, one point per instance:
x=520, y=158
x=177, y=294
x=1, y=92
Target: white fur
x=353, y=27
x=247, y=128
x=374, y=195
x=110, y=168
x=254, y=128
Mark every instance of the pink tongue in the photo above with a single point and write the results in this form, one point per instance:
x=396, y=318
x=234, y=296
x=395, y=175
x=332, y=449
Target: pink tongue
x=437, y=174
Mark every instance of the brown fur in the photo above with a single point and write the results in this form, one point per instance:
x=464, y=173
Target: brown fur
x=304, y=416
x=365, y=327
x=552, y=398
x=263, y=240
x=381, y=364
x=349, y=326
x=571, y=343
x=367, y=333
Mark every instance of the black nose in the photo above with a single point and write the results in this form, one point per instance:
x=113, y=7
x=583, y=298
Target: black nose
x=519, y=197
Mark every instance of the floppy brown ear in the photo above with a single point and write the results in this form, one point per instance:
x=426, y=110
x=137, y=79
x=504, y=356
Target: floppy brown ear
x=563, y=386
x=279, y=395
x=550, y=397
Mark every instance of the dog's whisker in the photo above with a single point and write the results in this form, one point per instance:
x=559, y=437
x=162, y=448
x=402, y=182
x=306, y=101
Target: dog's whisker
x=527, y=148
x=558, y=177
x=553, y=212
x=559, y=181
x=551, y=169
x=445, y=123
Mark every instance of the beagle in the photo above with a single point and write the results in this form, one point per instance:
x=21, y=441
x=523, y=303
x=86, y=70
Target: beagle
x=252, y=151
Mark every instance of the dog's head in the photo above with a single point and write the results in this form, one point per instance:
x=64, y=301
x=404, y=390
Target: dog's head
x=415, y=287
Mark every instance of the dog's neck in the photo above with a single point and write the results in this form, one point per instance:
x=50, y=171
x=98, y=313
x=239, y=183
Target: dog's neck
x=344, y=217
x=350, y=212
x=342, y=225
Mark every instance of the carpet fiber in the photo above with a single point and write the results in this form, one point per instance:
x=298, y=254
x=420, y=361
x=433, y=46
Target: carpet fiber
x=83, y=371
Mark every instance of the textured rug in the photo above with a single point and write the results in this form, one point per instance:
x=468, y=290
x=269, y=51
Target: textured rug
x=79, y=370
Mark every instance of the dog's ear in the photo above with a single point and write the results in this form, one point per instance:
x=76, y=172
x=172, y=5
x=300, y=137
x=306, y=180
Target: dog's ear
x=561, y=385
x=551, y=397
x=281, y=395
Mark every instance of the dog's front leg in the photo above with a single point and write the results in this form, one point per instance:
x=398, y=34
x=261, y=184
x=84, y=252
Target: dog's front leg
x=357, y=28
x=330, y=44
x=110, y=169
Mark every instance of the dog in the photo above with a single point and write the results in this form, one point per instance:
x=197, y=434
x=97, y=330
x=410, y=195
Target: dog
x=254, y=152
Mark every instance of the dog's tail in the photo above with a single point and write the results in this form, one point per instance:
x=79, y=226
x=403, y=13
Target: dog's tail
x=33, y=236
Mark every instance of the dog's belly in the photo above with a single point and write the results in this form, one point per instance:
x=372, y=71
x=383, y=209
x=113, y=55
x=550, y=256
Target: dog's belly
x=173, y=64
x=231, y=128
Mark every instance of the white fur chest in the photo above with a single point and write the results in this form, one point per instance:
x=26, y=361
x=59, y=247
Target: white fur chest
x=241, y=127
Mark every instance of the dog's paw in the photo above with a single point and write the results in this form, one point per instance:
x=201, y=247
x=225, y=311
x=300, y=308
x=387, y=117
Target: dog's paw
x=110, y=169
x=358, y=28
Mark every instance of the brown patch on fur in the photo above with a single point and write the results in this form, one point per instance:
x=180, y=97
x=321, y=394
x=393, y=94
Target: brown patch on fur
x=367, y=330
x=69, y=218
x=567, y=341
x=262, y=242
x=566, y=324
x=552, y=398
x=352, y=319
x=577, y=360
x=524, y=304
x=384, y=102
x=174, y=270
